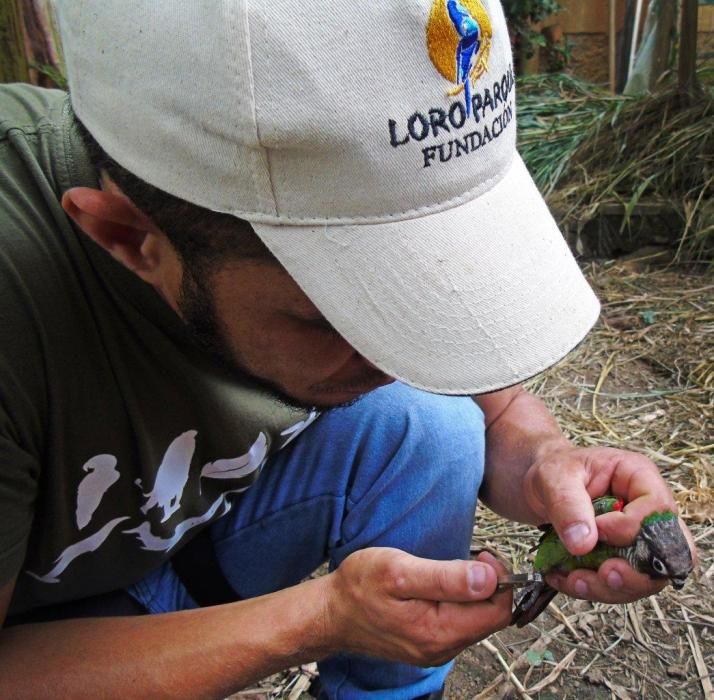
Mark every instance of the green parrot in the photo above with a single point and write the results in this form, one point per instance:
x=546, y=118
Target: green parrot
x=659, y=550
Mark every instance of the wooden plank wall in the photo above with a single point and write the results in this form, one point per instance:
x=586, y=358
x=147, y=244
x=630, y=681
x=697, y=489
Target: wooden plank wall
x=591, y=17
x=586, y=25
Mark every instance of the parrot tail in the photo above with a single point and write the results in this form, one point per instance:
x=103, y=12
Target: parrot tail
x=532, y=602
x=467, y=95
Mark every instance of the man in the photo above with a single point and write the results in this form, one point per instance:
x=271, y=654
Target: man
x=248, y=216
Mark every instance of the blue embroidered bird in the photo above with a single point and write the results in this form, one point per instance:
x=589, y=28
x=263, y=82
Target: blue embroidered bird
x=467, y=50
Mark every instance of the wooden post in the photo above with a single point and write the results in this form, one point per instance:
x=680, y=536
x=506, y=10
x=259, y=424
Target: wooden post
x=624, y=45
x=13, y=62
x=28, y=46
x=688, y=48
x=666, y=31
x=635, y=36
x=613, y=45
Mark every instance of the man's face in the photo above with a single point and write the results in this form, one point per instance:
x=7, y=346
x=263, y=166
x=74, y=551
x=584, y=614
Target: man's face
x=252, y=314
x=248, y=312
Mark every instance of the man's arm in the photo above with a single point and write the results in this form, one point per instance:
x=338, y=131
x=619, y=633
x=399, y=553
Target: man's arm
x=380, y=602
x=518, y=428
x=205, y=653
x=534, y=474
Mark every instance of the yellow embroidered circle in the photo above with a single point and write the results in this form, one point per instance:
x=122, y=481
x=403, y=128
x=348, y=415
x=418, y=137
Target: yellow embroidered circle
x=442, y=40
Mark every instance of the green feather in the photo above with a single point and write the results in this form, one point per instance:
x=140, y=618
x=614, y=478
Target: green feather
x=552, y=554
x=658, y=518
x=605, y=504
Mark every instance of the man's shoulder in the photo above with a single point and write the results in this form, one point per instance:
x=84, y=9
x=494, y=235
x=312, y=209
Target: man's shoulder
x=28, y=108
x=41, y=152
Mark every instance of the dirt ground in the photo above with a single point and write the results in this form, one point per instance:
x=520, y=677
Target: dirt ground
x=644, y=380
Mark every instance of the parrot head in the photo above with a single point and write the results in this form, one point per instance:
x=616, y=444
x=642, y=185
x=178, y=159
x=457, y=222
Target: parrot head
x=661, y=549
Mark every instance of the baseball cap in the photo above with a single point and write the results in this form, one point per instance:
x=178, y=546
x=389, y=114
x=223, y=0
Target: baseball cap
x=372, y=147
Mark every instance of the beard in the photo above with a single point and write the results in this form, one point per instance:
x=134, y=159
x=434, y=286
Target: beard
x=197, y=307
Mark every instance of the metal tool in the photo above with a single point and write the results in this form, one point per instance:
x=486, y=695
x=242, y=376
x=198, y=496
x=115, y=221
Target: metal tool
x=518, y=580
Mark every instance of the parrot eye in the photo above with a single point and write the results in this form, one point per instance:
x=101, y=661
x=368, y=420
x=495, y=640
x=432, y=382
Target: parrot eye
x=658, y=566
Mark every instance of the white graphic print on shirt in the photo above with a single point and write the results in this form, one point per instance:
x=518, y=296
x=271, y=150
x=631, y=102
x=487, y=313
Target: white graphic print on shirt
x=294, y=430
x=172, y=476
x=74, y=550
x=171, y=479
x=101, y=474
x=158, y=544
x=239, y=466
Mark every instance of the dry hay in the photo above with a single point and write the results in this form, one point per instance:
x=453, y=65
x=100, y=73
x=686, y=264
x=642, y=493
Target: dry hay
x=588, y=149
x=643, y=380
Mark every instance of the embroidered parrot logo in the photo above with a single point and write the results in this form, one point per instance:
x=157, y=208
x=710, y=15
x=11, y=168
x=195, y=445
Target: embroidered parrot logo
x=459, y=37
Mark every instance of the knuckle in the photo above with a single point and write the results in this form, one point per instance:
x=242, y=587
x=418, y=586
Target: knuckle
x=394, y=576
x=435, y=654
x=397, y=583
x=433, y=639
x=559, y=497
x=560, y=503
x=428, y=654
x=443, y=579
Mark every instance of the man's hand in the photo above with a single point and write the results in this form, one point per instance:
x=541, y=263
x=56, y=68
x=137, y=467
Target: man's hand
x=559, y=487
x=535, y=475
x=386, y=603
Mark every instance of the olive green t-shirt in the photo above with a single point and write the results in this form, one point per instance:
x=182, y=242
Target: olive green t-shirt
x=119, y=437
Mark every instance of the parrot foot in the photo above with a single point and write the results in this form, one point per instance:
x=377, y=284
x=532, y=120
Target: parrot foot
x=532, y=602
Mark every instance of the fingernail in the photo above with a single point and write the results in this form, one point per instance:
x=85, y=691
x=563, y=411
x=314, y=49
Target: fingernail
x=581, y=588
x=576, y=534
x=614, y=580
x=477, y=578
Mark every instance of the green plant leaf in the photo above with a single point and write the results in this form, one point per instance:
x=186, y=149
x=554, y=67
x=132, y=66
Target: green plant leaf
x=637, y=194
x=648, y=316
x=534, y=657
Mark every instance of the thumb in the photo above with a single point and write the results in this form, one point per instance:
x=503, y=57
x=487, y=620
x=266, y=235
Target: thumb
x=569, y=508
x=453, y=581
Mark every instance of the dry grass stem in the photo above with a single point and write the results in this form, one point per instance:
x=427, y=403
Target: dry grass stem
x=509, y=673
x=698, y=659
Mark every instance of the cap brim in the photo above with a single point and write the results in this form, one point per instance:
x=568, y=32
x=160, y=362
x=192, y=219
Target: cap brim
x=463, y=301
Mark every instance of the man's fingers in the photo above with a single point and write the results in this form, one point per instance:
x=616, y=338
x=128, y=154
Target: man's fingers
x=618, y=529
x=568, y=502
x=474, y=621
x=614, y=582
x=498, y=565
x=566, y=480
x=471, y=622
x=453, y=581
x=637, y=480
x=690, y=541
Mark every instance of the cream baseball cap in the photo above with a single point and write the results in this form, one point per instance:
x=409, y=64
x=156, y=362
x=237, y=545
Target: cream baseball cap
x=371, y=145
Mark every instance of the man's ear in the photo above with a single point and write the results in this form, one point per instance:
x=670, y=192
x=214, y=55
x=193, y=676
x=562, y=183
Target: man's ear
x=110, y=219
